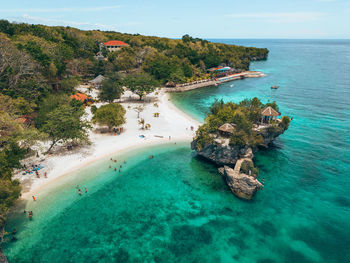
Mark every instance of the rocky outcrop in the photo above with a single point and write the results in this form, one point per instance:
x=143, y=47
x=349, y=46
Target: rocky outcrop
x=242, y=185
x=269, y=134
x=3, y=258
x=222, y=153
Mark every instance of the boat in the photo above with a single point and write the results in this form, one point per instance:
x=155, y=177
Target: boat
x=274, y=87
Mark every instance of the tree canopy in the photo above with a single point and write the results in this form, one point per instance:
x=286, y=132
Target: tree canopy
x=141, y=84
x=111, y=115
x=111, y=88
x=64, y=123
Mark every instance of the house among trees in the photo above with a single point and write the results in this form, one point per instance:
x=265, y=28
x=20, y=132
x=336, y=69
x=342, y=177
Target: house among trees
x=114, y=45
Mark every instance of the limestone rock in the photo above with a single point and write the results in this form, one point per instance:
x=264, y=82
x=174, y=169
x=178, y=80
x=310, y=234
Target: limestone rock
x=242, y=185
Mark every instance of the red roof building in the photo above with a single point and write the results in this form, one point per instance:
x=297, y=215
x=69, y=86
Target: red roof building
x=114, y=45
x=80, y=97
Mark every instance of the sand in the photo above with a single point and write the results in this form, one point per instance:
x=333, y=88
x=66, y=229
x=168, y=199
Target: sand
x=171, y=122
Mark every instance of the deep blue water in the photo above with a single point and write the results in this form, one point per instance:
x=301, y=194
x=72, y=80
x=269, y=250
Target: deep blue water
x=176, y=208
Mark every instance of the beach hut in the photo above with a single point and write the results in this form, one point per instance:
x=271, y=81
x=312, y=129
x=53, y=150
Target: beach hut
x=97, y=81
x=226, y=129
x=269, y=113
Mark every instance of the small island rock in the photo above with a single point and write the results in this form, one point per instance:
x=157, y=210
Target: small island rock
x=242, y=185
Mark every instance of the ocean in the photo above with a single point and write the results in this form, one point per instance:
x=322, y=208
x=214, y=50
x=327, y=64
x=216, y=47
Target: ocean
x=177, y=208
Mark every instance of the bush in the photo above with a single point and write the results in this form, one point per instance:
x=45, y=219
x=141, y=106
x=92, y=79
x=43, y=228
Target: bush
x=93, y=109
x=285, y=122
x=249, y=166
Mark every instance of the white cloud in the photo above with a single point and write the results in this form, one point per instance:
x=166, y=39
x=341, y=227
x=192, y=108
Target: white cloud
x=66, y=9
x=34, y=19
x=283, y=17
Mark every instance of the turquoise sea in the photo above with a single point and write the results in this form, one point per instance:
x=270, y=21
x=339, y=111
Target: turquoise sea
x=176, y=208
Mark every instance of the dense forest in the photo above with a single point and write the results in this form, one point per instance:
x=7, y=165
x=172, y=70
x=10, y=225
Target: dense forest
x=41, y=65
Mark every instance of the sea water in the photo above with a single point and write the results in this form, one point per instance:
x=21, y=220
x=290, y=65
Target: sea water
x=176, y=208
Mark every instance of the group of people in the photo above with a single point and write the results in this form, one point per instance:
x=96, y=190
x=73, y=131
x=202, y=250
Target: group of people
x=115, y=168
x=79, y=190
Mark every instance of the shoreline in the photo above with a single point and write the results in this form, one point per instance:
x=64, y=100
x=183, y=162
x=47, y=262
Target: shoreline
x=215, y=82
x=172, y=126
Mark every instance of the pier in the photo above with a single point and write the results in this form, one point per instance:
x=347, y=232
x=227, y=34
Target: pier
x=214, y=82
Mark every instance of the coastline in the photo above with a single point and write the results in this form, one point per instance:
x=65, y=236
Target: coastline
x=213, y=82
x=172, y=122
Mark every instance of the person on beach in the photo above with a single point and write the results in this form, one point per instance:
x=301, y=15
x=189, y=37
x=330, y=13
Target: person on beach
x=115, y=161
x=110, y=166
x=34, y=199
x=121, y=166
x=37, y=174
x=85, y=190
x=169, y=138
x=79, y=192
x=45, y=175
x=30, y=214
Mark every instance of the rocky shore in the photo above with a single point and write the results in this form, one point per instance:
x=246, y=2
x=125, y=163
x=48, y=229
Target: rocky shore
x=244, y=184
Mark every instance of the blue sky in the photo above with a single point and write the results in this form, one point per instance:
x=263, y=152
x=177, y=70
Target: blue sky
x=205, y=19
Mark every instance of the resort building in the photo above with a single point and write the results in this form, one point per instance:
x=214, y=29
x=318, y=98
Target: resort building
x=268, y=114
x=114, y=45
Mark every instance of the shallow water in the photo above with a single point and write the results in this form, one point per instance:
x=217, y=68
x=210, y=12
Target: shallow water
x=176, y=208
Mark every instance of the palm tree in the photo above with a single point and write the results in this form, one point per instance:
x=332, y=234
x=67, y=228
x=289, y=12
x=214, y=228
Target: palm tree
x=142, y=122
x=139, y=109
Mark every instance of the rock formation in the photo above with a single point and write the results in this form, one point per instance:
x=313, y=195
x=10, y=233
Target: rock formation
x=222, y=152
x=242, y=185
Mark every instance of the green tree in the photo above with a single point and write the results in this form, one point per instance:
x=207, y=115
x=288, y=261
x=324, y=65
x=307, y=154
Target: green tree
x=111, y=89
x=65, y=123
x=141, y=84
x=111, y=115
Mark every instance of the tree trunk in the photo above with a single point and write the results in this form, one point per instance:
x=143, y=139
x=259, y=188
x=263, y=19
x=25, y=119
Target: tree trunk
x=52, y=145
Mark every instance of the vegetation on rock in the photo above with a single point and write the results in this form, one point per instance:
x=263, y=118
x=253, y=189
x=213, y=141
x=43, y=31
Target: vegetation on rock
x=244, y=116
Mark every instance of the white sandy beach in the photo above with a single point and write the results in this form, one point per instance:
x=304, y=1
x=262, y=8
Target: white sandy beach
x=171, y=122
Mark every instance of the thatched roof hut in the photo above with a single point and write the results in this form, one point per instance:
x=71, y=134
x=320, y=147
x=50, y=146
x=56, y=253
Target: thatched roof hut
x=227, y=128
x=269, y=112
x=97, y=81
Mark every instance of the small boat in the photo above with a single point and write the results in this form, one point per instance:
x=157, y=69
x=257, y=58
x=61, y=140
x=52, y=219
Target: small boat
x=274, y=87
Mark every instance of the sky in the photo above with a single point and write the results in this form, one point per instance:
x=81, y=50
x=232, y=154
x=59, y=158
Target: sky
x=320, y=19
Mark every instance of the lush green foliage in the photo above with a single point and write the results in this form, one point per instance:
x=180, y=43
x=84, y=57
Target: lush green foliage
x=243, y=115
x=140, y=84
x=111, y=88
x=247, y=166
x=111, y=115
x=64, y=123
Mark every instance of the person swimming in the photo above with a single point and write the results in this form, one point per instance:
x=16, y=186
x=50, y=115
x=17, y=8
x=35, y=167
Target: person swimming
x=85, y=190
x=79, y=192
